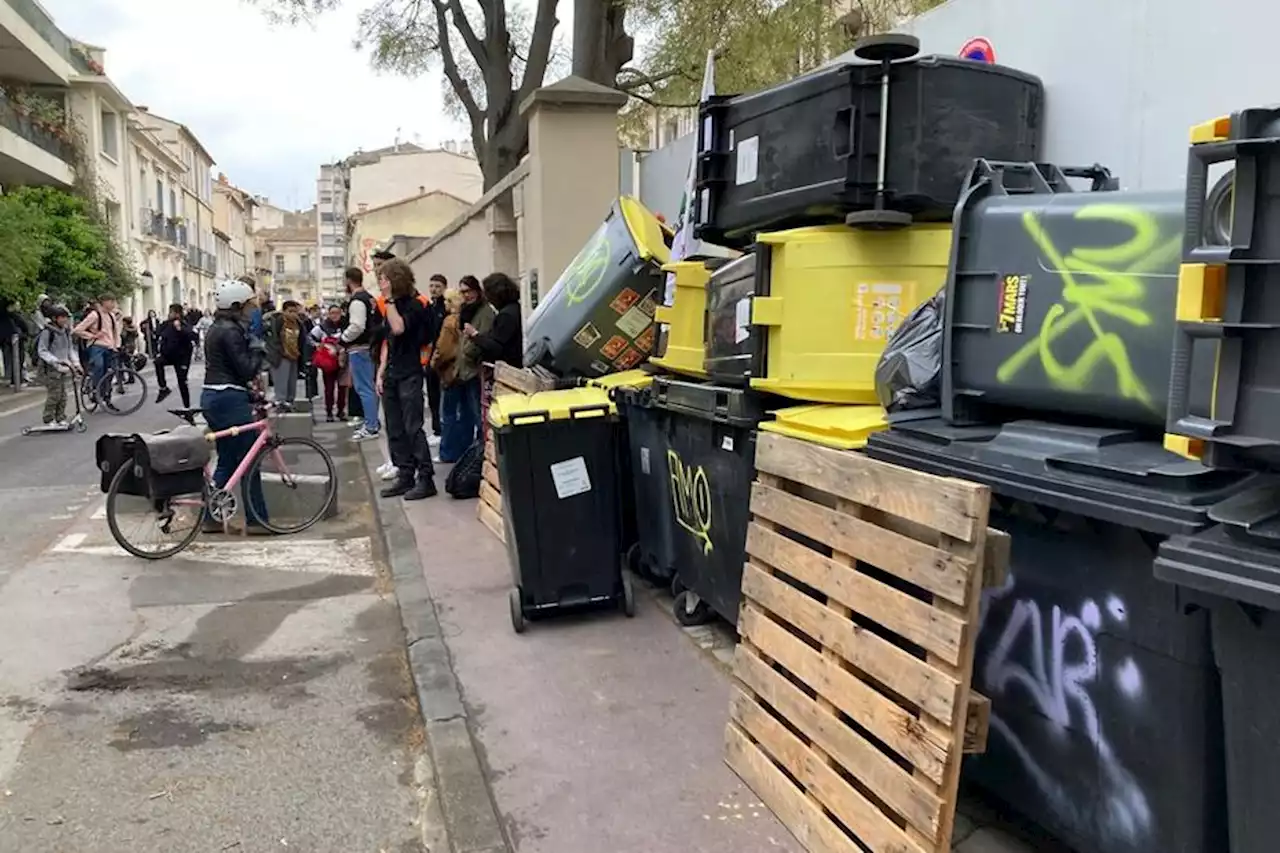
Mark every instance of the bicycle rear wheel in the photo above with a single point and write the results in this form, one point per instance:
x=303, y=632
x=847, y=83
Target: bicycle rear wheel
x=177, y=519
x=299, y=484
x=88, y=393
x=122, y=391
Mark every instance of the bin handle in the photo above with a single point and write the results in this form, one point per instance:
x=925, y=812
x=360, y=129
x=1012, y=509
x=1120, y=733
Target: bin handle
x=845, y=131
x=531, y=417
x=590, y=410
x=1180, y=421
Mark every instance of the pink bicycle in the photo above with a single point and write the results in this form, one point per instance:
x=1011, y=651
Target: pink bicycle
x=299, y=482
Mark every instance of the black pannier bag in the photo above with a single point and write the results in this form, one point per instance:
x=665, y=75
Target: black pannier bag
x=111, y=452
x=172, y=462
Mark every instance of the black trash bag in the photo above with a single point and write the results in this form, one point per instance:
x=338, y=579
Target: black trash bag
x=909, y=373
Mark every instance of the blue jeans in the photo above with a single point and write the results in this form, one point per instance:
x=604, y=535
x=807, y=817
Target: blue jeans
x=457, y=429
x=471, y=388
x=223, y=410
x=99, y=359
x=362, y=378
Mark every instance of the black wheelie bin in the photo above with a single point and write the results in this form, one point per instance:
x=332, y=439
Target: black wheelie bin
x=557, y=460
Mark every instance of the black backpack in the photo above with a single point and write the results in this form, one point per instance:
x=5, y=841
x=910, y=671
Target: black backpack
x=463, y=482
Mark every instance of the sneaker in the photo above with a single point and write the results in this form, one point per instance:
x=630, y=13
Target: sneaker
x=363, y=434
x=164, y=392
x=328, y=418
x=402, y=486
x=424, y=488
x=62, y=424
x=433, y=440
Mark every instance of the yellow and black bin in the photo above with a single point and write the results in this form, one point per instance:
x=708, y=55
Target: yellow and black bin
x=557, y=453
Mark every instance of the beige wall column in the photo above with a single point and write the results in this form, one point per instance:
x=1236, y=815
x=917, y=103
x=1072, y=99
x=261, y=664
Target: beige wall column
x=573, y=174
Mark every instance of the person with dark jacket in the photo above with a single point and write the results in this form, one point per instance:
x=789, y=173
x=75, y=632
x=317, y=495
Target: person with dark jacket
x=409, y=326
x=435, y=290
x=504, y=341
x=232, y=364
x=175, y=343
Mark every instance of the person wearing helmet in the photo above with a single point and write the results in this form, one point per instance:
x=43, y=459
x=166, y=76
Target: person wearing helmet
x=56, y=354
x=232, y=363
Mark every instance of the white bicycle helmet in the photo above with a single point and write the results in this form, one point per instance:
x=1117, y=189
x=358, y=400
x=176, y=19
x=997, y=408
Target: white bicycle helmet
x=232, y=294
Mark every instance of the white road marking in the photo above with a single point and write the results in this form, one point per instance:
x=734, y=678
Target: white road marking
x=328, y=556
x=62, y=516
x=100, y=514
x=28, y=407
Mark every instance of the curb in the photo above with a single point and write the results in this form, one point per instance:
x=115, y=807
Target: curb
x=459, y=815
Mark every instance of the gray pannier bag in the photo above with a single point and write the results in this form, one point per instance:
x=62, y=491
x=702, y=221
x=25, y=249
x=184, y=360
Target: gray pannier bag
x=172, y=463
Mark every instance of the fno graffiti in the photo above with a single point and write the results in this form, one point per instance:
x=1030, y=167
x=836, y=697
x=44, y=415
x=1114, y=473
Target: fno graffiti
x=1053, y=659
x=1103, y=289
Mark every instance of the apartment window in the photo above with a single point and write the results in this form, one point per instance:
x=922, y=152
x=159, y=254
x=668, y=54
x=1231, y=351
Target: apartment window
x=326, y=217
x=279, y=264
x=111, y=134
x=306, y=265
x=328, y=239
x=331, y=262
x=173, y=202
x=326, y=198
x=112, y=212
x=159, y=195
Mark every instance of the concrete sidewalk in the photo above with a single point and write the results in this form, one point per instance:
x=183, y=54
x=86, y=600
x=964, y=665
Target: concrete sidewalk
x=586, y=733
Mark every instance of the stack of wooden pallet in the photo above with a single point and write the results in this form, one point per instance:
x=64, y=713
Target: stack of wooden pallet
x=852, y=704
x=505, y=380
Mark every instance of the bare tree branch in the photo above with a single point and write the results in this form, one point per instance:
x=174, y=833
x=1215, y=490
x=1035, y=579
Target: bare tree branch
x=535, y=69
x=469, y=38
x=450, y=64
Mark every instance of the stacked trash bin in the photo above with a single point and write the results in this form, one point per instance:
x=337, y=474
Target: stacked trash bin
x=1229, y=304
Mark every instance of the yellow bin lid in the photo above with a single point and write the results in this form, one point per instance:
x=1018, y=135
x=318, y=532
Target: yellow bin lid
x=626, y=379
x=841, y=427
x=528, y=409
x=646, y=230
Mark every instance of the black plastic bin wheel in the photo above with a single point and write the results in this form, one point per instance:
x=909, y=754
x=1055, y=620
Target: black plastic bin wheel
x=628, y=596
x=633, y=560
x=878, y=220
x=676, y=586
x=887, y=47
x=517, y=610
x=698, y=614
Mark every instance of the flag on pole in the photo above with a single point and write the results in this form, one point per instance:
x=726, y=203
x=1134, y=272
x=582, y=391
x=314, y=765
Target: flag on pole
x=684, y=241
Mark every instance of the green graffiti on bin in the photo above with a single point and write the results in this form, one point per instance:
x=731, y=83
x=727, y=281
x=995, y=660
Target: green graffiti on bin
x=1100, y=285
x=588, y=268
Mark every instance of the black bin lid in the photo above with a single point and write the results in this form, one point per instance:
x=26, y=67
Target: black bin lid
x=738, y=407
x=1110, y=474
x=1223, y=565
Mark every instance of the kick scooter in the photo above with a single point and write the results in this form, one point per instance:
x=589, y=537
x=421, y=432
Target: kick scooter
x=76, y=423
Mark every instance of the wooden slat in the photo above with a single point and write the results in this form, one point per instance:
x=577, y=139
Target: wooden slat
x=874, y=829
x=902, y=672
x=490, y=452
x=977, y=724
x=949, y=506
x=520, y=380
x=876, y=770
x=924, y=565
x=491, y=496
x=491, y=520
x=913, y=619
x=803, y=817
x=490, y=475
x=995, y=559
x=881, y=716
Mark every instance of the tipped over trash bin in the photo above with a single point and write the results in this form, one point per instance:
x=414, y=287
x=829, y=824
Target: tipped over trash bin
x=598, y=316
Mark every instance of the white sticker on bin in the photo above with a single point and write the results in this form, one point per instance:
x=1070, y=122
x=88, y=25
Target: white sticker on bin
x=644, y=461
x=748, y=154
x=570, y=477
x=742, y=320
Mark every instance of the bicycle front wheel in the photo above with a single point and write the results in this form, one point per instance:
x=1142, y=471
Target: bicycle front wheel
x=122, y=391
x=299, y=485
x=151, y=528
x=88, y=393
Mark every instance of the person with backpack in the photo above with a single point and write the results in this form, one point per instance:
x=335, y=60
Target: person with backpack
x=56, y=355
x=364, y=326
x=330, y=359
x=175, y=344
x=286, y=346
x=101, y=330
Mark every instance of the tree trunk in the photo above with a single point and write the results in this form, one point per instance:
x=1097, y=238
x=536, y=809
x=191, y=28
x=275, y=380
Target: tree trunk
x=601, y=45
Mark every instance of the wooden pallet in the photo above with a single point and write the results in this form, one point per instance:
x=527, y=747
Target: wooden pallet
x=852, y=705
x=506, y=380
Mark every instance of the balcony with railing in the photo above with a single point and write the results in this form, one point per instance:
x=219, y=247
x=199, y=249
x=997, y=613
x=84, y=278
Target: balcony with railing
x=39, y=122
x=37, y=62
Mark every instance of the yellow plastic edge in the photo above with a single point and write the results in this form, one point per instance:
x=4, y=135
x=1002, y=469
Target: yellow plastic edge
x=836, y=426
x=645, y=229
x=1191, y=448
x=509, y=409
x=1214, y=130
x=624, y=379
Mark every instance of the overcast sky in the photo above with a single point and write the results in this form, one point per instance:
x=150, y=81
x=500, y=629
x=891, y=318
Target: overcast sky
x=270, y=103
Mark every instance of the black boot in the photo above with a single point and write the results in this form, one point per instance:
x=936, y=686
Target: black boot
x=402, y=485
x=424, y=488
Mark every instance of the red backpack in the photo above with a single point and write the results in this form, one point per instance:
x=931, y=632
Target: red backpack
x=325, y=357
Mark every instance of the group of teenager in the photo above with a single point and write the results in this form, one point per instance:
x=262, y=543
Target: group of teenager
x=410, y=354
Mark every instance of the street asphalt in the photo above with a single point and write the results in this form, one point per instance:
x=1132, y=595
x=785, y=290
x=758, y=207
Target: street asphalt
x=244, y=696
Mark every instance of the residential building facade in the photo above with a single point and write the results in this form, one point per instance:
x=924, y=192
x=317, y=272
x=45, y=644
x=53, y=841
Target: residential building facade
x=289, y=257
x=420, y=215
x=232, y=230
x=36, y=68
x=156, y=237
